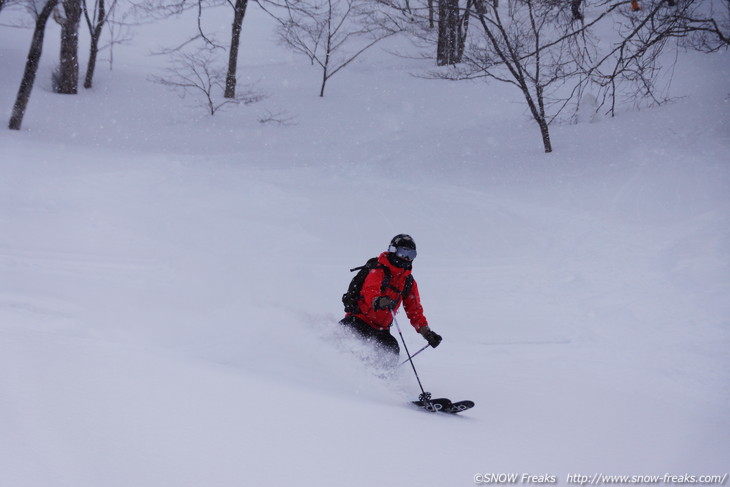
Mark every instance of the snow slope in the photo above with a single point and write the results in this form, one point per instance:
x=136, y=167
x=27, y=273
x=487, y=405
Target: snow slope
x=170, y=282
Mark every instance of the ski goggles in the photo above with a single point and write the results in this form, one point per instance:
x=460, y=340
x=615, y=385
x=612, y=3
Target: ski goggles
x=404, y=253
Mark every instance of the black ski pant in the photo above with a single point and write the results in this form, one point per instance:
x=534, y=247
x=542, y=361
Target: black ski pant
x=382, y=339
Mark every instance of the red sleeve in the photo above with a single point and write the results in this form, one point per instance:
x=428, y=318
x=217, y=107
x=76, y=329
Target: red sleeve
x=414, y=310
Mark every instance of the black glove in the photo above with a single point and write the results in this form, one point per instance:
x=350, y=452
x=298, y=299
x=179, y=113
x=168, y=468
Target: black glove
x=384, y=302
x=431, y=337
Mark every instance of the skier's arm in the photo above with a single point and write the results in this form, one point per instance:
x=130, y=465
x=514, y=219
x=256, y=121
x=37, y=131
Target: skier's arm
x=414, y=310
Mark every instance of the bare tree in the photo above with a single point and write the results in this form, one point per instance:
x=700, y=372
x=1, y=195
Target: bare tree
x=166, y=8
x=629, y=68
x=331, y=33
x=198, y=74
x=451, y=17
x=95, y=19
x=555, y=56
x=523, y=47
x=707, y=24
x=31, y=65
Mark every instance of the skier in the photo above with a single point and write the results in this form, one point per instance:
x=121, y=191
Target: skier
x=389, y=283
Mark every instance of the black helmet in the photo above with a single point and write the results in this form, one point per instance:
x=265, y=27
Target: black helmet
x=402, y=250
x=403, y=240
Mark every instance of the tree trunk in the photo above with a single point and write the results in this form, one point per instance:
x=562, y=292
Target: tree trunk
x=324, y=83
x=545, y=132
x=463, y=28
x=536, y=109
x=325, y=68
x=539, y=116
x=239, y=12
x=31, y=66
x=94, y=49
x=447, y=49
x=68, y=76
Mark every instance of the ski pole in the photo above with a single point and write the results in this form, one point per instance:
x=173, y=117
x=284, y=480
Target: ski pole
x=421, y=350
x=425, y=396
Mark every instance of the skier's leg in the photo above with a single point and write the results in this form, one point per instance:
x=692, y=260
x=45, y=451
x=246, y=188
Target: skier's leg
x=363, y=329
x=385, y=343
x=388, y=345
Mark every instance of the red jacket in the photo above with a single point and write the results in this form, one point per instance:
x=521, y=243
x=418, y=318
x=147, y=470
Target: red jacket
x=381, y=319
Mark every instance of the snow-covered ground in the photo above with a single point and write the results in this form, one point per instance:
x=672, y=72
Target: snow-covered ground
x=170, y=282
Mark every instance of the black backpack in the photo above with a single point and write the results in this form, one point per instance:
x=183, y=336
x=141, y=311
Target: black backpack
x=354, y=291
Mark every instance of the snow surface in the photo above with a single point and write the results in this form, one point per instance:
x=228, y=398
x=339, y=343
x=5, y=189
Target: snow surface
x=170, y=282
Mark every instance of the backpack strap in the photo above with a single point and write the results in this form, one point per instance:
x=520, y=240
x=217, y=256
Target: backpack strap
x=386, y=279
x=407, y=286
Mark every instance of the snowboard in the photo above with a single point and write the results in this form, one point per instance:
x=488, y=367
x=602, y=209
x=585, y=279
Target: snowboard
x=443, y=405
